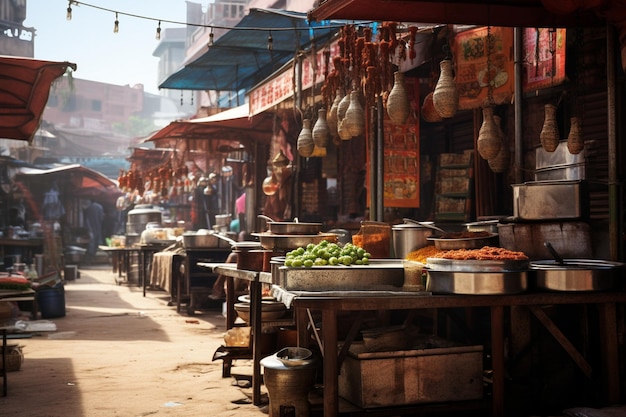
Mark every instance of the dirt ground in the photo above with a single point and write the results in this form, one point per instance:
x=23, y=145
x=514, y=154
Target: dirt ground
x=116, y=353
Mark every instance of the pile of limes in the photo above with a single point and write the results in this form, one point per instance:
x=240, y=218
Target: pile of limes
x=326, y=253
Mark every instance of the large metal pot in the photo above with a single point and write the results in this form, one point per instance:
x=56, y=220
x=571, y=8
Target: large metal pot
x=140, y=216
x=291, y=228
x=576, y=274
x=289, y=242
x=408, y=238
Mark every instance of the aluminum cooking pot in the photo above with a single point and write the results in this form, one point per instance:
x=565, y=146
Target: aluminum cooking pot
x=291, y=228
x=409, y=237
x=576, y=274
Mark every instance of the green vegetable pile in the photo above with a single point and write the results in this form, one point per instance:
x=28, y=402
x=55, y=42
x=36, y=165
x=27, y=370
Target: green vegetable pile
x=326, y=253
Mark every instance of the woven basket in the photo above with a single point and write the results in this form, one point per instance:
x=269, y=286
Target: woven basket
x=14, y=358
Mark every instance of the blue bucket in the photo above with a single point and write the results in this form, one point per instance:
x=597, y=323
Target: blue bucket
x=51, y=302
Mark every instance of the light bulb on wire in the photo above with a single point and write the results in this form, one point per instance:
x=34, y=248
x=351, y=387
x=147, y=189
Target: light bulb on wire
x=270, y=42
x=116, y=26
x=68, y=16
x=158, y=31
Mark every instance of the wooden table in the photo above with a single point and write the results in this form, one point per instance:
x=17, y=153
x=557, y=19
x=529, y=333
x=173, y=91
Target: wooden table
x=607, y=323
x=27, y=247
x=6, y=296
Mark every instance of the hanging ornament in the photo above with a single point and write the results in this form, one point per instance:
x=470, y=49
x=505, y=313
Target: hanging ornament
x=320, y=131
x=446, y=95
x=489, y=140
x=342, y=107
x=398, y=101
x=429, y=114
x=331, y=117
x=549, y=135
x=355, y=116
x=500, y=162
x=270, y=184
x=280, y=161
x=305, y=142
x=575, y=142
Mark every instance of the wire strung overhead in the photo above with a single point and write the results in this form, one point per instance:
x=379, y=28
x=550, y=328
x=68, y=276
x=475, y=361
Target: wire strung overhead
x=322, y=25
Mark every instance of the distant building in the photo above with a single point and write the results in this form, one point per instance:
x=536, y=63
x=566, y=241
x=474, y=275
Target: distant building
x=15, y=39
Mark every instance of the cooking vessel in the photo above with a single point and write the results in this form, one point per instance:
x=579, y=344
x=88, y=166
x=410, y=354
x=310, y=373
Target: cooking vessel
x=291, y=228
x=576, y=274
x=289, y=242
x=408, y=237
x=138, y=218
x=195, y=241
x=463, y=243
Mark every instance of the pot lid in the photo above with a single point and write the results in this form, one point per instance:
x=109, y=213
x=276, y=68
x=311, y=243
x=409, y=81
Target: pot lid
x=403, y=226
x=144, y=209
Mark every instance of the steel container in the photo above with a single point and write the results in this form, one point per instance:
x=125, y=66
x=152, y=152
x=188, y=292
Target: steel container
x=477, y=283
x=576, y=274
x=140, y=216
x=541, y=200
x=407, y=238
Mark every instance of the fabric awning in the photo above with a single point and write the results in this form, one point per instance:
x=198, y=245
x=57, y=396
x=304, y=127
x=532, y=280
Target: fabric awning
x=240, y=58
x=510, y=13
x=234, y=124
x=83, y=181
x=24, y=90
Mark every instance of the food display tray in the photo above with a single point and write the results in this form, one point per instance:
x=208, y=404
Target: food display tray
x=380, y=274
x=477, y=283
x=474, y=265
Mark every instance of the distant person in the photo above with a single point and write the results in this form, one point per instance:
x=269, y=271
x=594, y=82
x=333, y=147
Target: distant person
x=212, y=198
x=94, y=216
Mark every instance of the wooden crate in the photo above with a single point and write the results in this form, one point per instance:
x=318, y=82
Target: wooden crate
x=381, y=379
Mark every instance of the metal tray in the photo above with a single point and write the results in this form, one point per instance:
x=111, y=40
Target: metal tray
x=473, y=265
x=477, y=283
x=380, y=274
x=463, y=243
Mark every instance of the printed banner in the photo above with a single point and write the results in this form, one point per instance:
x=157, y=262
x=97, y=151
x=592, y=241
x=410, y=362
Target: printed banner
x=484, y=66
x=544, y=58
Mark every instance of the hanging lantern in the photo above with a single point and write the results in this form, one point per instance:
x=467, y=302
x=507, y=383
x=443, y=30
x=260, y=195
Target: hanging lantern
x=320, y=131
x=575, y=142
x=549, y=135
x=489, y=140
x=342, y=107
x=446, y=95
x=355, y=116
x=305, y=142
x=270, y=184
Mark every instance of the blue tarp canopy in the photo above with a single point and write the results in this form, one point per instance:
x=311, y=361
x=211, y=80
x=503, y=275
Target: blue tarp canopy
x=240, y=58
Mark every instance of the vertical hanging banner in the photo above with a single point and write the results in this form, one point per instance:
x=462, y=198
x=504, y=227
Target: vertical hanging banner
x=544, y=58
x=401, y=156
x=481, y=70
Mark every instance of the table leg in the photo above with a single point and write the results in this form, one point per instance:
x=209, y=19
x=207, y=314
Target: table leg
x=255, y=318
x=610, y=355
x=331, y=371
x=142, y=273
x=4, y=362
x=497, y=359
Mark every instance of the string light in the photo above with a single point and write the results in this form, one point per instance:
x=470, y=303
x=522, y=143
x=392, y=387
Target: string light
x=270, y=42
x=158, y=32
x=116, y=26
x=211, y=37
x=68, y=16
x=324, y=25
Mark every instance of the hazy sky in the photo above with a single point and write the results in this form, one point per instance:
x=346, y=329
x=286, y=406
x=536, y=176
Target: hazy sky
x=88, y=40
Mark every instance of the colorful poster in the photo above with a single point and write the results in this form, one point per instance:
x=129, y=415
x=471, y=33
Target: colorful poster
x=484, y=66
x=544, y=58
x=401, y=160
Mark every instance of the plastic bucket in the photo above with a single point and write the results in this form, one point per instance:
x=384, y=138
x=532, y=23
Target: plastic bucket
x=51, y=302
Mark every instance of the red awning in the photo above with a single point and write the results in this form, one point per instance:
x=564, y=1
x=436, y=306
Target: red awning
x=510, y=13
x=230, y=125
x=24, y=90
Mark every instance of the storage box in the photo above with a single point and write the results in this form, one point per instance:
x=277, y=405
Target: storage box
x=570, y=239
x=547, y=200
x=381, y=379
